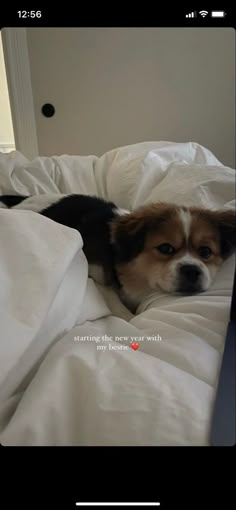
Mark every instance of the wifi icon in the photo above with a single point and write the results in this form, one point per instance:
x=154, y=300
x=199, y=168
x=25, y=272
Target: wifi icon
x=203, y=13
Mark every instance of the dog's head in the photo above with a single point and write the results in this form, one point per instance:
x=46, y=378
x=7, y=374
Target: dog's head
x=173, y=248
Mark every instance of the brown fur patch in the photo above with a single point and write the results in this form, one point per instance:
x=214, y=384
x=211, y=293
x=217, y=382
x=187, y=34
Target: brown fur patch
x=219, y=225
x=146, y=215
x=128, y=233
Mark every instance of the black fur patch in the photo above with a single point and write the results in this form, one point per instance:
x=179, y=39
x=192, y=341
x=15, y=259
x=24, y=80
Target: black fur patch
x=91, y=216
x=12, y=200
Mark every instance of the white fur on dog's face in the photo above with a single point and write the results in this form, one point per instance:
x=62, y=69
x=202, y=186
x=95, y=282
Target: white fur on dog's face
x=170, y=280
x=173, y=248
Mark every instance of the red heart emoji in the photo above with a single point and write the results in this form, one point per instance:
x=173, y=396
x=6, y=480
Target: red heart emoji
x=135, y=345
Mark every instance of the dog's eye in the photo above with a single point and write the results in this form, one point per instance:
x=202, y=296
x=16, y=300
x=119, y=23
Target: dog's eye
x=166, y=249
x=204, y=252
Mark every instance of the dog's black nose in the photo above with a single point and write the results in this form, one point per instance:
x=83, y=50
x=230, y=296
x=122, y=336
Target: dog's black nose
x=190, y=272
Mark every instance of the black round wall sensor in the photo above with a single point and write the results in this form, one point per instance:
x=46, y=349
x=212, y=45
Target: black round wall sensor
x=48, y=110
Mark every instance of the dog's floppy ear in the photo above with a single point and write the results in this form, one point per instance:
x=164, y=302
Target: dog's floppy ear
x=128, y=232
x=127, y=236
x=225, y=221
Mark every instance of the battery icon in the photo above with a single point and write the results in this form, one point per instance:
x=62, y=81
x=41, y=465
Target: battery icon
x=218, y=14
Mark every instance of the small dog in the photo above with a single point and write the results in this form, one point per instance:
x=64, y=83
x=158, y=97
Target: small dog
x=159, y=246
x=172, y=248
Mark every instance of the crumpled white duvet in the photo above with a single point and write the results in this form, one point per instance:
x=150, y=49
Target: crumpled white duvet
x=67, y=374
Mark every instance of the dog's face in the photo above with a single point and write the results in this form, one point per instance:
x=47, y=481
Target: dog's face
x=173, y=248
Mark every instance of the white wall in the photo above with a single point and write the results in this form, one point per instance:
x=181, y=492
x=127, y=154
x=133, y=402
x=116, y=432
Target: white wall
x=118, y=86
x=6, y=129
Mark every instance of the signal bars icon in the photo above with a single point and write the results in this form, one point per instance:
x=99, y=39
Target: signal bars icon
x=190, y=15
